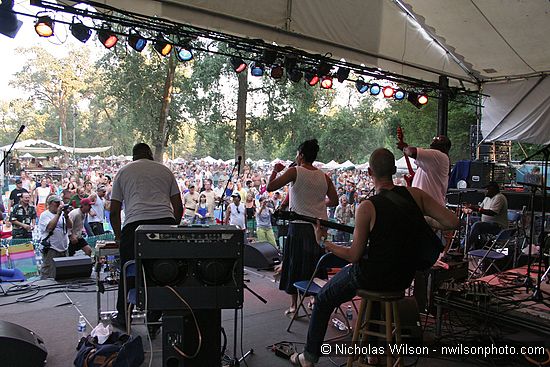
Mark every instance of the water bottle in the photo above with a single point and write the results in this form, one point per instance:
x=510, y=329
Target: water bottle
x=349, y=314
x=81, y=327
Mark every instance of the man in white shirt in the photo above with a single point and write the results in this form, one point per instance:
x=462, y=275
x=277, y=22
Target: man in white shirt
x=78, y=217
x=236, y=212
x=494, y=215
x=432, y=175
x=190, y=201
x=96, y=216
x=54, y=225
x=150, y=195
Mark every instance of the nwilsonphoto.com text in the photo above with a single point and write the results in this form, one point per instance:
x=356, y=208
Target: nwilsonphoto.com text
x=348, y=349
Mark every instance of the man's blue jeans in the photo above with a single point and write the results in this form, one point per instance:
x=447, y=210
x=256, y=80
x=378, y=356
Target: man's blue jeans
x=340, y=289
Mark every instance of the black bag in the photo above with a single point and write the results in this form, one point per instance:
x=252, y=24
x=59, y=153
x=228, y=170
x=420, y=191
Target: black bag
x=429, y=244
x=45, y=243
x=119, y=350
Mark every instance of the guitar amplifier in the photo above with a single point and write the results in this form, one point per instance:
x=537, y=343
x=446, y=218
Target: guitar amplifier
x=203, y=265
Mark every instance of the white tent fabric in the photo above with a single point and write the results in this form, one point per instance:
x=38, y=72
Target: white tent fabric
x=347, y=164
x=210, y=160
x=27, y=145
x=363, y=167
x=332, y=165
x=27, y=155
x=401, y=164
x=518, y=110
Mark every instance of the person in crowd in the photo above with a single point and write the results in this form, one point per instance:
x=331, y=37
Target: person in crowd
x=54, y=225
x=190, y=202
x=76, y=198
x=97, y=213
x=78, y=217
x=236, y=213
x=264, y=230
x=433, y=164
x=309, y=190
x=378, y=226
x=41, y=194
x=494, y=215
x=23, y=217
x=344, y=215
x=150, y=195
x=17, y=193
x=88, y=188
x=250, y=208
x=201, y=210
x=210, y=200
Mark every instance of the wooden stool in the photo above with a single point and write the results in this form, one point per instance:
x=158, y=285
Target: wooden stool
x=388, y=302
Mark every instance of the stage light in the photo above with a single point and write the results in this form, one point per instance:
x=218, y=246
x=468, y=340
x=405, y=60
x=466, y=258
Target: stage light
x=136, y=41
x=238, y=64
x=361, y=86
x=184, y=54
x=388, y=91
x=80, y=31
x=162, y=46
x=374, y=89
x=269, y=57
x=295, y=75
x=9, y=24
x=342, y=74
x=417, y=100
x=399, y=95
x=107, y=37
x=277, y=72
x=311, y=78
x=323, y=68
x=256, y=69
x=44, y=26
x=422, y=99
x=326, y=82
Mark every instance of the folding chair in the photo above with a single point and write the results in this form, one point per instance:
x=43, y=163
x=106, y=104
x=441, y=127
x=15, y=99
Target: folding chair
x=308, y=288
x=494, y=252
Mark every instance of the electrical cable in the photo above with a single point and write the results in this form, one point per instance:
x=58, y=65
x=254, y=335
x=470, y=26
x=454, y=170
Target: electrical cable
x=199, y=334
x=145, y=310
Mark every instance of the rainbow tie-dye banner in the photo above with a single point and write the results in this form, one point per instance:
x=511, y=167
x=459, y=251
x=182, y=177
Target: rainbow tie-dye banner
x=23, y=258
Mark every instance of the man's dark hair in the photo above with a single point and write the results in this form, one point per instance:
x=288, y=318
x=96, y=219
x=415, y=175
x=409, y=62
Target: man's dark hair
x=382, y=163
x=441, y=143
x=309, y=149
x=141, y=151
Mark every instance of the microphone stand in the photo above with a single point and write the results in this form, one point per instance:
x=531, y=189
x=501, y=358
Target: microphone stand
x=537, y=294
x=222, y=198
x=6, y=153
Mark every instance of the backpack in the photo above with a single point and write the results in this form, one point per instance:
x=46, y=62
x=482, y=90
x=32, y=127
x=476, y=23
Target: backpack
x=120, y=350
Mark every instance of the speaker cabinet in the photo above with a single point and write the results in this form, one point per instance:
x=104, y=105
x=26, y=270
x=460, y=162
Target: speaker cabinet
x=20, y=347
x=179, y=330
x=72, y=267
x=480, y=174
x=203, y=265
x=261, y=255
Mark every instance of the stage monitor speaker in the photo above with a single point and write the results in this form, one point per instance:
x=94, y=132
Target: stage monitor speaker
x=203, y=265
x=20, y=347
x=72, y=267
x=261, y=255
x=179, y=330
x=480, y=174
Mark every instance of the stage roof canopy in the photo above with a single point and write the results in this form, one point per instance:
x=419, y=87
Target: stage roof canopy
x=45, y=147
x=473, y=42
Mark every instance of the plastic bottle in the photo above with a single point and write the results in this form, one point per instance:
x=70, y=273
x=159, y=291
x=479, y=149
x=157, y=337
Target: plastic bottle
x=338, y=324
x=81, y=327
x=349, y=314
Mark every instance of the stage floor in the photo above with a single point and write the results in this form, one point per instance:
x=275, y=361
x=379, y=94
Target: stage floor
x=55, y=317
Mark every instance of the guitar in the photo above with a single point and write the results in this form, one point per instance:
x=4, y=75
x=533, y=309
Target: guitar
x=290, y=215
x=408, y=177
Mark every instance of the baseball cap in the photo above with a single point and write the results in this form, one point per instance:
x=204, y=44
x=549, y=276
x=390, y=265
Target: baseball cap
x=18, y=181
x=235, y=195
x=53, y=198
x=101, y=188
x=492, y=184
x=85, y=201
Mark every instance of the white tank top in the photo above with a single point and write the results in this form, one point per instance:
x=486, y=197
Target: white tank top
x=308, y=193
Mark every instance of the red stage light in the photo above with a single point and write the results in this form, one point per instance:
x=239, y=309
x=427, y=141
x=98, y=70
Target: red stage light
x=326, y=82
x=388, y=91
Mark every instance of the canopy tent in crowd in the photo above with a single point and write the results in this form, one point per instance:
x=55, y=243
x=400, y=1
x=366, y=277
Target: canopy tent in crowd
x=27, y=156
x=347, y=165
x=401, y=164
x=45, y=147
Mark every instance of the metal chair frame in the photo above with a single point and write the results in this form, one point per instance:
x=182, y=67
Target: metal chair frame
x=503, y=237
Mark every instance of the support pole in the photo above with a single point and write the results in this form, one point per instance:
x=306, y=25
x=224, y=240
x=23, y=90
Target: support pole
x=443, y=106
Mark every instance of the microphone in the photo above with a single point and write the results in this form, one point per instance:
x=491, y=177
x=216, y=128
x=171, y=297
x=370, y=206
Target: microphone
x=21, y=129
x=239, y=159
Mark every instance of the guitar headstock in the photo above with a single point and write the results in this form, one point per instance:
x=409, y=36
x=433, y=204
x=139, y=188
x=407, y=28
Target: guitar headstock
x=400, y=134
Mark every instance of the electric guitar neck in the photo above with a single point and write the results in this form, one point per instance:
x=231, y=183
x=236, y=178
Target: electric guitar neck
x=290, y=215
x=410, y=176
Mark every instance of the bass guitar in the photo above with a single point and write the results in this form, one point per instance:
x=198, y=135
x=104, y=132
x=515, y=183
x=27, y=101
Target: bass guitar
x=408, y=177
x=290, y=215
